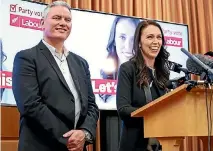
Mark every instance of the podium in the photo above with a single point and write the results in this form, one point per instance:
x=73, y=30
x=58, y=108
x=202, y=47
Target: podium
x=176, y=115
x=9, y=128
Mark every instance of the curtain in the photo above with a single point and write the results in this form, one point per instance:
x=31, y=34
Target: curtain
x=197, y=14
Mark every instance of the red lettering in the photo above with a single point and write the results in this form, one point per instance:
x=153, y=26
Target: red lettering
x=6, y=79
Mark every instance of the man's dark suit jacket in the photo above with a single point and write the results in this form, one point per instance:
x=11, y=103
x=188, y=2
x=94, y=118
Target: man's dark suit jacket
x=45, y=102
x=129, y=98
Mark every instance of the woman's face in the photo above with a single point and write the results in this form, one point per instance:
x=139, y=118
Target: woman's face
x=151, y=42
x=124, y=36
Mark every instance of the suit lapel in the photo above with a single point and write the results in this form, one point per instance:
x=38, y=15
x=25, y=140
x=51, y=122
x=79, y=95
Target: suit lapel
x=53, y=63
x=73, y=66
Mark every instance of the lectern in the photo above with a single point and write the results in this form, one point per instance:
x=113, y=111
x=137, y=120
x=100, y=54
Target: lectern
x=177, y=114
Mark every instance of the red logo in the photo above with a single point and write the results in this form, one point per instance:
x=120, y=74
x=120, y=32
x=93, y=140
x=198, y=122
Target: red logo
x=25, y=22
x=13, y=7
x=28, y=22
x=174, y=41
x=14, y=20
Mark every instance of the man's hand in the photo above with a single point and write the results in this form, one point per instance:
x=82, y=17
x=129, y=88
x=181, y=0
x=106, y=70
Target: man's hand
x=76, y=140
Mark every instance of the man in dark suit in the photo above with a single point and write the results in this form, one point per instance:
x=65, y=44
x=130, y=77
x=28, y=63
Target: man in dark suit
x=53, y=91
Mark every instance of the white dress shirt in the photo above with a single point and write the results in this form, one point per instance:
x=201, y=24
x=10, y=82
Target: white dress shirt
x=63, y=65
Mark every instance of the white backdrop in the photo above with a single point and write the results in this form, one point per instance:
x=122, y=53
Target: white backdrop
x=19, y=22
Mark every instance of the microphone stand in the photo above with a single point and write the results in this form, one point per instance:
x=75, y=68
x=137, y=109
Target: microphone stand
x=208, y=78
x=192, y=83
x=207, y=83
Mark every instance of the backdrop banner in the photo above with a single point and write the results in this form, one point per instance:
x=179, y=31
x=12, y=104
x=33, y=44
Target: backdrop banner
x=104, y=40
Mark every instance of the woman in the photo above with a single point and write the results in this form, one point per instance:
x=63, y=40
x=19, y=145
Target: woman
x=141, y=80
x=119, y=46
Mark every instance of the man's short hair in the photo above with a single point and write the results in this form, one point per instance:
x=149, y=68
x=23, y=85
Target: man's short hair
x=53, y=4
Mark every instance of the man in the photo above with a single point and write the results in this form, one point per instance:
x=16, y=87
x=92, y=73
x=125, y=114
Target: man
x=53, y=91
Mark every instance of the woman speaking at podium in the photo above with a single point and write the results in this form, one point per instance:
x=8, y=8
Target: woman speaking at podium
x=141, y=80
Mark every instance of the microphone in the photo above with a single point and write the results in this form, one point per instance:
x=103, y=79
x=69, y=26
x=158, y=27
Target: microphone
x=173, y=66
x=207, y=60
x=171, y=85
x=193, y=67
x=193, y=83
x=176, y=82
x=201, y=67
x=176, y=67
x=198, y=82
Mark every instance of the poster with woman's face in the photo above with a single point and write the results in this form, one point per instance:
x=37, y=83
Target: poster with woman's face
x=119, y=50
x=124, y=38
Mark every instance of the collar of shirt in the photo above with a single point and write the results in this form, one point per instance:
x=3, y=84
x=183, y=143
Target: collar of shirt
x=53, y=50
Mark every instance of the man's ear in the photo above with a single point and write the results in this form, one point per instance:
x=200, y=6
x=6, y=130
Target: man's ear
x=42, y=23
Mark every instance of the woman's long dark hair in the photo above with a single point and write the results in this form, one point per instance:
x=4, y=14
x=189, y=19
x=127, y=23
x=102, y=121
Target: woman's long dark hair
x=161, y=61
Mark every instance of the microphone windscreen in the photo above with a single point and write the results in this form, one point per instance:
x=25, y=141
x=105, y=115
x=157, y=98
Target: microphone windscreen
x=207, y=60
x=196, y=68
x=175, y=82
